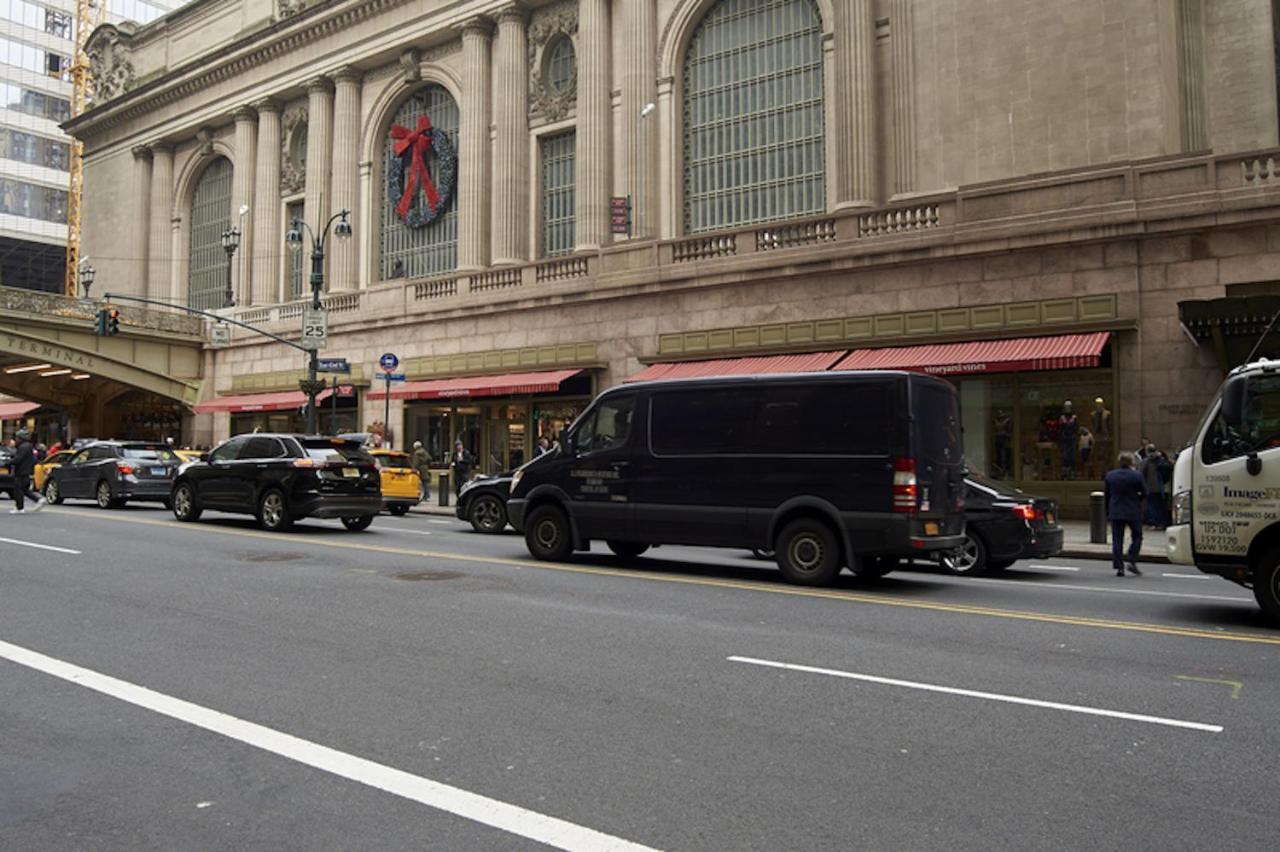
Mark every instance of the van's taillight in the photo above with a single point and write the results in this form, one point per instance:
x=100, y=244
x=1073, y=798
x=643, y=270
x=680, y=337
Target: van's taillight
x=905, y=488
x=126, y=469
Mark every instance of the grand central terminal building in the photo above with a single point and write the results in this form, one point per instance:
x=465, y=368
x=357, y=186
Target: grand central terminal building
x=1070, y=210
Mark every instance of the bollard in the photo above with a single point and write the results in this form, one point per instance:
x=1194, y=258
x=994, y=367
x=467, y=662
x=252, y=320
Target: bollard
x=444, y=488
x=1097, y=518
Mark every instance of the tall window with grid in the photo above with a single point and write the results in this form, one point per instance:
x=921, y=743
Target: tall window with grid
x=297, y=261
x=557, y=194
x=753, y=121
x=432, y=249
x=210, y=216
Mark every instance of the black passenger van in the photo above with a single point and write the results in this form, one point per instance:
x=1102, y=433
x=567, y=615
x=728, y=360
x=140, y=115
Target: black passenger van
x=829, y=470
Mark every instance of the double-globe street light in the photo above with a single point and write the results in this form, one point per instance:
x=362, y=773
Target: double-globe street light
x=312, y=386
x=230, y=242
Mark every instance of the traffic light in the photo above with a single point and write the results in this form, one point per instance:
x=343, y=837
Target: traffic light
x=113, y=321
x=100, y=323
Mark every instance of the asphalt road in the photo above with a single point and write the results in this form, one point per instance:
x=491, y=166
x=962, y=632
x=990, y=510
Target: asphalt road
x=211, y=686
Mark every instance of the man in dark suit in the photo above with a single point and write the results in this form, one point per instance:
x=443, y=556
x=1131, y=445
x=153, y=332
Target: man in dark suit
x=1125, y=492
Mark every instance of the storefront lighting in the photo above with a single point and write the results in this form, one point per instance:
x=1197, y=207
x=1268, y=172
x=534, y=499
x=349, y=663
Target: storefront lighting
x=80, y=377
x=51, y=373
x=28, y=368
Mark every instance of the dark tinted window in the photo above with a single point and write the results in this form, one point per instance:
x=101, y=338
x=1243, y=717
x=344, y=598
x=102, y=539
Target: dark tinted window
x=149, y=454
x=228, y=451
x=937, y=419
x=262, y=448
x=102, y=453
x=606, y=427
x=392, y=460
x=691, y=422
x=324, y=450
x=846, y=418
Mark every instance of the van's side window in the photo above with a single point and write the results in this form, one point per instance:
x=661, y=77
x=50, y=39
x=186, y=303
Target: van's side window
x=606, y=427
x=827, y=419
x=692, y=422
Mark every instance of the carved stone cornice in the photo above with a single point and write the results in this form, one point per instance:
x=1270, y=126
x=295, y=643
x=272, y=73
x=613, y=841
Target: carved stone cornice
x=245, y=113
x=293, y=170
x=513, y=11
x=110, y=69
x=479, y=26
x=347, y=74
x=410, y=70
x=204, y=140
x=319, y=85
x=141, y=152
x=266, y=105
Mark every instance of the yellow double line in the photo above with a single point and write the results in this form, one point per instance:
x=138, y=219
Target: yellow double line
x=740, y=585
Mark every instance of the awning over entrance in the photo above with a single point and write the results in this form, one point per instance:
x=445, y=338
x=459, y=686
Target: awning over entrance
x=475, y=386
x=280, y=401
x=1063, y=352
x=15, y=410
x=811, y=362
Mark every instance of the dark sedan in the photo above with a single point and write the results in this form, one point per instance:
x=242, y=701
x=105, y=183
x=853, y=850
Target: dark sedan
x=1003, y=525
x=281, y=479
x=483, y=502
x=6, y=471
x=114, y=472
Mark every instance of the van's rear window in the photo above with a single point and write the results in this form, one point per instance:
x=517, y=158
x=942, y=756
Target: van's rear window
x=149, y=453
x=937, y=417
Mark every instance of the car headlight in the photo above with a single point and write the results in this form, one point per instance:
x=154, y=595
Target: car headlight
x=1182, y=508
x=515, y=479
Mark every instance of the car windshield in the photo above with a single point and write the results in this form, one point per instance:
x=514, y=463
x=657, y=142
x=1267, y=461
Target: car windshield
x=161, y=454
x=392, y=460
x=334, y=451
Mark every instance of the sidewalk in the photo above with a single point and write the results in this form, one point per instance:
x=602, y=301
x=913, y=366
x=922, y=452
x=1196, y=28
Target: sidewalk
x=1076, y=544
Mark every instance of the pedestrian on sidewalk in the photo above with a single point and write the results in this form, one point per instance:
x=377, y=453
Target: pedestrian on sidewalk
x=24, y=465
x=461, y=462
x=421, y=461
x=1125, y=493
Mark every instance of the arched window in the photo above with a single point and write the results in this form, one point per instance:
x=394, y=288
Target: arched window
x=417, y=252
x=210, y=216
x=753, y=126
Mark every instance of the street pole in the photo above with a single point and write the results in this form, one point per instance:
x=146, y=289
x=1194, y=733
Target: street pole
x=386, y=408
x=312, y=385
x=333, y=408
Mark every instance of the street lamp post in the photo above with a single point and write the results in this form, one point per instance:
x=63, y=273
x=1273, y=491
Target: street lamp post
x=312, y=386
x=230, y=242
x=87, y=274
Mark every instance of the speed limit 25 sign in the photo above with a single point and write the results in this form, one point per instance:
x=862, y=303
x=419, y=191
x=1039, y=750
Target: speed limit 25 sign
x=315, y=328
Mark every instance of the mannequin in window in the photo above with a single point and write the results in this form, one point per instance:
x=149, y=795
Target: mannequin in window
x=1002, y=434
x=1069, y=438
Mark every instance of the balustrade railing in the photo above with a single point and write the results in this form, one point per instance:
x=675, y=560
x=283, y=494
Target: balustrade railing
x=705, y=248
x=561, y=270
x=794, y=236
x=498, y=279
x=56, y=305
x=436, y=288
x=901, y=220
x=1256, y=170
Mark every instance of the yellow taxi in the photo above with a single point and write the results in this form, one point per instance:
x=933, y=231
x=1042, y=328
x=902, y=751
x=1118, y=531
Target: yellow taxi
x=188, y=455
x=401, y=485
x=43, y=469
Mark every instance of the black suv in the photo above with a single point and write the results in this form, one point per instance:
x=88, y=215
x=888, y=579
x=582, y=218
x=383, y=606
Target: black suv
x=280, y=479
x=113, y=473
x=7, y=482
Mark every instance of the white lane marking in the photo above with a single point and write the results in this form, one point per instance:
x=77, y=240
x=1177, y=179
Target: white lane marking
x=1066, y=587
x=434, y=521
x=1189, y=576
x=513, y=819
x=989, y=696
x=406, y=532
x=1054, y=567
x=39, y=546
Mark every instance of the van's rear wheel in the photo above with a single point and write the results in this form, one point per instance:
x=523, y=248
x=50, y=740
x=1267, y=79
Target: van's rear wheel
x=547, y=534
x=808, y=553
x=1266, y=585
x=627, y=549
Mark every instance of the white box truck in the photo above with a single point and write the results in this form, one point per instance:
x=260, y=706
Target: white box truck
x=1226, y=487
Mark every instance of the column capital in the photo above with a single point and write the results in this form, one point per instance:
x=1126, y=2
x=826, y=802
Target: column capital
x=161, y=147
x=141, y=152
x=347, y=74
x=245, y=114
x=476, y=27
x=266, y=105
x=319, y=85
x=511, y=13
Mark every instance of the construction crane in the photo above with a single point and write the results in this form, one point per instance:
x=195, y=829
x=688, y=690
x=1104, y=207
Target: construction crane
x=89, y=13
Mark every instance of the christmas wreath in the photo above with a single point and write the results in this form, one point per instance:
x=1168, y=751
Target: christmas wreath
x=408, y=174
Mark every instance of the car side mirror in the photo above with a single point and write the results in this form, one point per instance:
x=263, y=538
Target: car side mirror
x=1253, y=464
x=566, y=442
x=204, y=457
x=1233, y=397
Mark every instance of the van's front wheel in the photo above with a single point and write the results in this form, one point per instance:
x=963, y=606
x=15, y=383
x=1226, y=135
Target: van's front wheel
x=547, y=534
x=1266, y=585
x=808, y=553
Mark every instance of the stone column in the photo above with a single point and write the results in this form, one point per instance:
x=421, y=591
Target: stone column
x=346, y=176
x=902, y=46
x=160, y=276
x=140, y=241
x=639, y=68
x=857, y=136
x=473, y=142
x=595, y=120
x=511, y=145
x=319, y=157
x=242, y=195
x=268, y=245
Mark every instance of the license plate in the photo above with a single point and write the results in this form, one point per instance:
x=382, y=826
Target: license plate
x=1049, y=517
x=4, y=471
x=159, y=471
x=930, y=528
x=351, y=472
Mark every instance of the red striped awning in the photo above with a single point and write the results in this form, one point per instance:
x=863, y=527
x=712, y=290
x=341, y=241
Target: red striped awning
x=473, y=386
x=812, y=362
x=279, y=401
x=16, y=409
x=1062, y=352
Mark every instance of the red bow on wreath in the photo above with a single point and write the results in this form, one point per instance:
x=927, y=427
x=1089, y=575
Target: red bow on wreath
x=418, y=142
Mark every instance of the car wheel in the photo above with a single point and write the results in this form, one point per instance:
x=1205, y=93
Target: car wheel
x=1266, y=585
x=487, y=514
x=808, y=553
x=627, y=549
x=398, y=510
x=547, y=534
x=273, y=511
x=969, y=560
x=762, y=553
x=105, y=500
x=52, y=492
x=357, y=523
x=186, y=506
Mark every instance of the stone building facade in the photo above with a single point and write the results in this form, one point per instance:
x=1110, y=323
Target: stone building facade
x=1020, y=197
